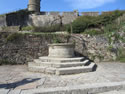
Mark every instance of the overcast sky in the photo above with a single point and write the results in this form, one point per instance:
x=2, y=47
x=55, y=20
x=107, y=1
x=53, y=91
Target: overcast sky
x=64, y=5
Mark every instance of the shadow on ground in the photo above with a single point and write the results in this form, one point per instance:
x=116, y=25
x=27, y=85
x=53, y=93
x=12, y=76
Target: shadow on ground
x=18, y=83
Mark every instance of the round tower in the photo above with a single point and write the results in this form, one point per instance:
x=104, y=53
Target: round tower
x=34, y=6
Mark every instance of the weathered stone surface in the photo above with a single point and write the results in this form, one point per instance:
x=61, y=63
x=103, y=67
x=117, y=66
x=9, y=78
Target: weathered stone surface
x=61, y=50
x=43, y=20
x=81, y=89
x=32, y=46
x=106, y=73
x=4, y=91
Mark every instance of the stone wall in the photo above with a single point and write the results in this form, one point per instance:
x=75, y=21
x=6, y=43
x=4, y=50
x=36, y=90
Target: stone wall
x=43, y=20
x=28, y=47
x=2, y=20
x=22, y=18
x=90, y=13
x=68, y=17
x=22, y=48
x=94, y=47
x=16, y=19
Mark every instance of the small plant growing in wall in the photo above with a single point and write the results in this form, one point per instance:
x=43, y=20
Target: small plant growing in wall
x=14, y=37
x=121, y=55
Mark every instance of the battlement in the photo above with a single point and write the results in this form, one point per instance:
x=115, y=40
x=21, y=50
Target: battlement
x=74, y=13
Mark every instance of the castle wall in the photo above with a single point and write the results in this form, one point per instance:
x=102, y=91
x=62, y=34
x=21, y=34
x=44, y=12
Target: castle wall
x=68, y=17
x=16, y=19
x=54, y=13
x=43, y=20
x=90, y=13
x=22, y=18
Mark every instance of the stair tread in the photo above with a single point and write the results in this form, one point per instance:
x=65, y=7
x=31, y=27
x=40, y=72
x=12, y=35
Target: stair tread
x=74, y=58
x=78, y=67
x=82, y=62
x=69, y=68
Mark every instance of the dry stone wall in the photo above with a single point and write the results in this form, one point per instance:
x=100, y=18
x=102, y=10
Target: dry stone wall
x=24, y=48
x=30, y=47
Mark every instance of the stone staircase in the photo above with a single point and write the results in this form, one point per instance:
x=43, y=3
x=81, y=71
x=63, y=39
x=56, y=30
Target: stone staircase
x=61, y=66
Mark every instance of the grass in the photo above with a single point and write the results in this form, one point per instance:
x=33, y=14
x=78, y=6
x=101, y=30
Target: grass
x=27, y=28
x=92, y=32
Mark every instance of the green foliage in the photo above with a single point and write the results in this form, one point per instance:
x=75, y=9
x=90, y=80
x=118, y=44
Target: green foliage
x=84, y=22
x=93, y=32
x=27, y=28
x=56, y=39
x=121, y=55
x=112, y=32
x=14, y=37
x=6, y=62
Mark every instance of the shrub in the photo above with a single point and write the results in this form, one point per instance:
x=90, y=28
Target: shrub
x=81, y=23
x=84, y=22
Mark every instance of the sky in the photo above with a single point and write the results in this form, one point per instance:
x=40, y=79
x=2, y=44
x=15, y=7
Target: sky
x=7, y=6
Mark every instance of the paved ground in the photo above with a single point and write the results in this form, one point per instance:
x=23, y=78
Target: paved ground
x=18, y=77
x=114, y=92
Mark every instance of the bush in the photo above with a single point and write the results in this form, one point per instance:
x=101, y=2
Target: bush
x=81, y=23
x=84, y=22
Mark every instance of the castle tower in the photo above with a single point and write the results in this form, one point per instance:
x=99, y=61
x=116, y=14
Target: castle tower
x=34, y=6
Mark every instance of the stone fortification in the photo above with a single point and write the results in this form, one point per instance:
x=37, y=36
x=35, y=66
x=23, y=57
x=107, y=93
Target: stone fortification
x=43, y=18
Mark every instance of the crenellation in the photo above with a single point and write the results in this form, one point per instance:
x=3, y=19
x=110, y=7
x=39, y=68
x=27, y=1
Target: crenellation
x=106, y=12
x=54, y=13
x=90, y=13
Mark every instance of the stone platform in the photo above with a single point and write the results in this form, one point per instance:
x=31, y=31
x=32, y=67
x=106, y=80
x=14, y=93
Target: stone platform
x=61, y=66
x=61, y=61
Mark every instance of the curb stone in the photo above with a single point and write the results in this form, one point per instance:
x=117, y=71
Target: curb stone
x=81, y=89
